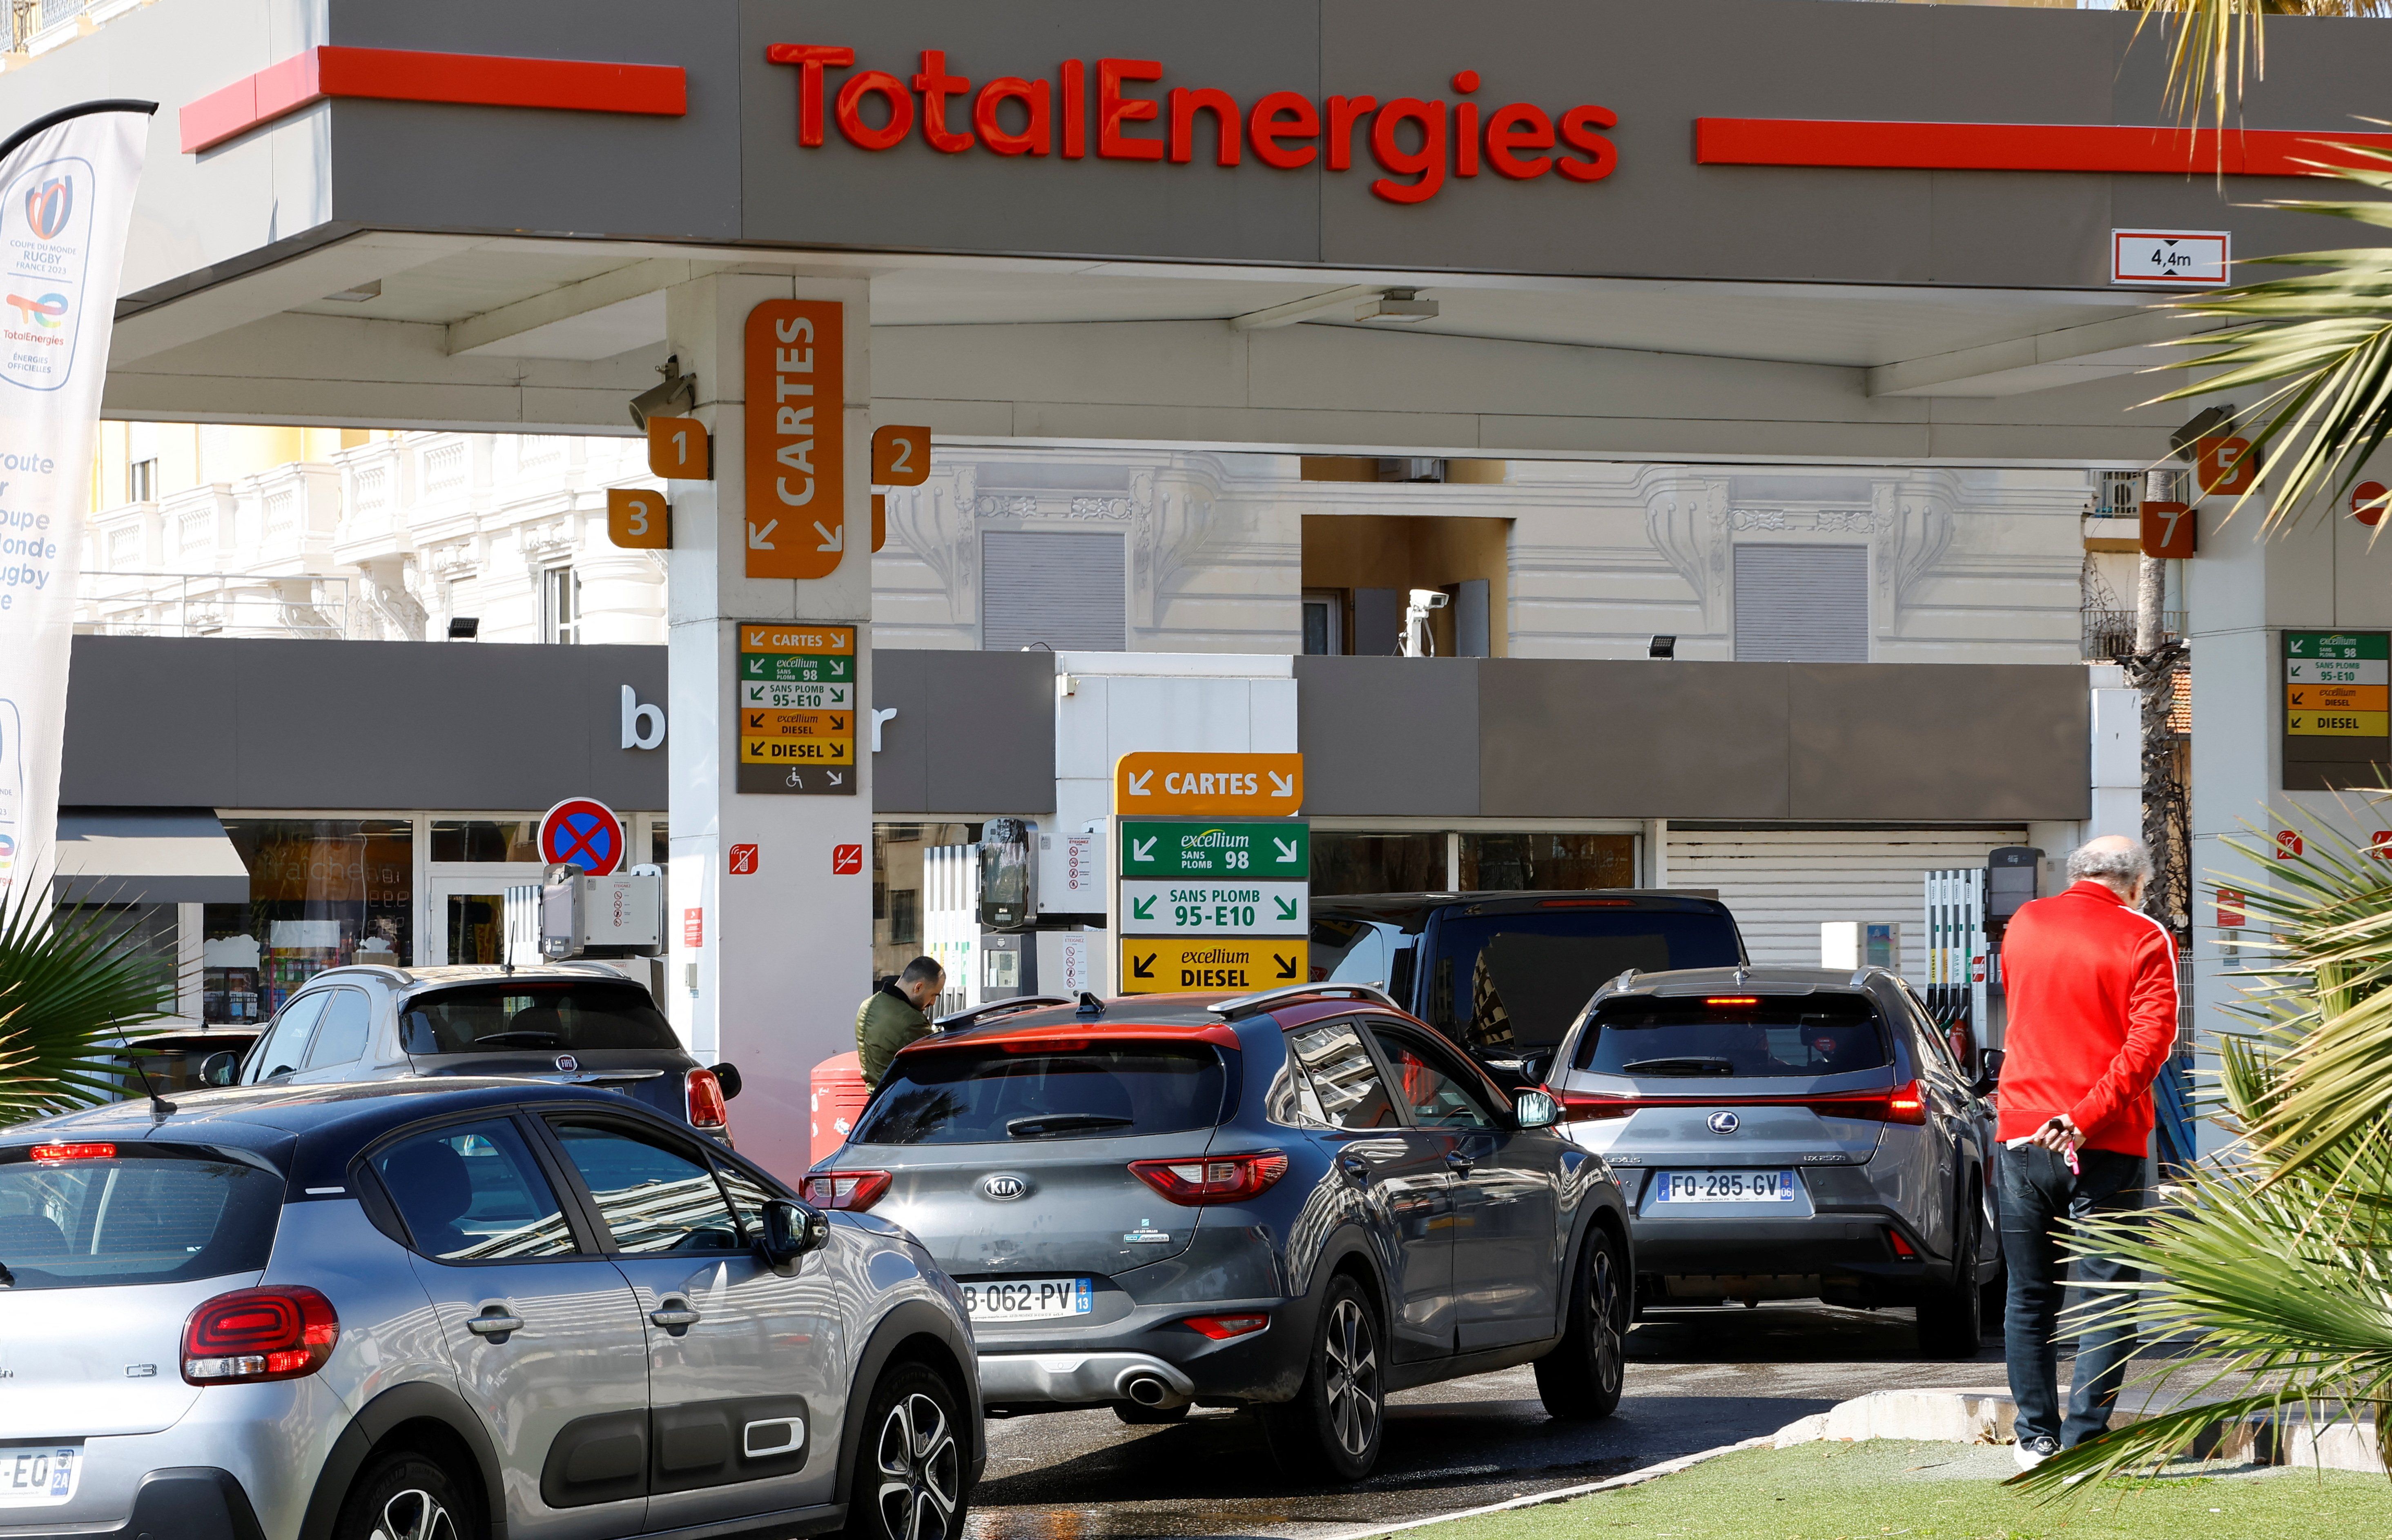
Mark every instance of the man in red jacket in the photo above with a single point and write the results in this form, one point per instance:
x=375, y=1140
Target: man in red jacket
x=2091, y=981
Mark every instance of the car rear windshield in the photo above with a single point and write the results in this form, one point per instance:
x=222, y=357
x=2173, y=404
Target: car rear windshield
x=1693, y=1037
x=1512, y=982
x=985, y=1096
x=574, y=1014
x=88, y=1220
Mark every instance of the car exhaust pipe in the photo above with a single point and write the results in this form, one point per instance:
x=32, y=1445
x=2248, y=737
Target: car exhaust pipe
x=1147, y=1390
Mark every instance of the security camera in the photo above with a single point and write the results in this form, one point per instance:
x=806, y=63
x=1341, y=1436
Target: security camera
x=1431, y=598
x=678, y=390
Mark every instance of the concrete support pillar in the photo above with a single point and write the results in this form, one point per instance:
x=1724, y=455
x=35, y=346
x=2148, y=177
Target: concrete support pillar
x=785, y=951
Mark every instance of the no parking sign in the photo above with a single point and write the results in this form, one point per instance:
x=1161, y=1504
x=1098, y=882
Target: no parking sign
x=580, y=832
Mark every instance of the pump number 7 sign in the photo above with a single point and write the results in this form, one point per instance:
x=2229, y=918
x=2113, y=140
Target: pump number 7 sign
x=2168, y=529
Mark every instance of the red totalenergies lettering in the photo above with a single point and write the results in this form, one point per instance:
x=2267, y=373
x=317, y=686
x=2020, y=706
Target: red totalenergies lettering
x=1418, y=143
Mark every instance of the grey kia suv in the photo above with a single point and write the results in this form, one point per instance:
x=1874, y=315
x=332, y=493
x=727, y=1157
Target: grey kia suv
x=453, y=1310
x=1791, y=1133
x=1296, y=1202
x=572, y=1023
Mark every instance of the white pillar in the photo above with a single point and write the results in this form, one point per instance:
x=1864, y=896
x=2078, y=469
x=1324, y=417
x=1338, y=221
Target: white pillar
x=786, y=955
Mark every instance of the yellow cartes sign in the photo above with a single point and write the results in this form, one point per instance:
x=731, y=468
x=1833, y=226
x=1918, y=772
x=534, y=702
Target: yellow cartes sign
x=1158, y=965
x=1256, y=786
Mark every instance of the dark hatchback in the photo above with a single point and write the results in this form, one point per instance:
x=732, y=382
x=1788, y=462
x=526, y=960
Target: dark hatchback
x=1296, y=1202
x=1505, y=974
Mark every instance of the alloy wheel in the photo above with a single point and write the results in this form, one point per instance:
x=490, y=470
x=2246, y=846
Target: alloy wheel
x=1603, y=1315
x=1353, y=1377
x=414, y=1514
x=920, y=1470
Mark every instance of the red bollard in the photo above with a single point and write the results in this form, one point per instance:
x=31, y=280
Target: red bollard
x=839, y=1097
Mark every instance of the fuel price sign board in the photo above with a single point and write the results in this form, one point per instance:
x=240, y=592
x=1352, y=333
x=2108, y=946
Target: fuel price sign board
x=1178, y=965
x=1235, y=849
x=794, y=709
x=2337, y=722
x=1216, y=908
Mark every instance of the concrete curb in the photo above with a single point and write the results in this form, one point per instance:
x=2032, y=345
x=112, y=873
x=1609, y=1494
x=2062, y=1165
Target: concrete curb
x=1563, y=1494
x=1986, y=1416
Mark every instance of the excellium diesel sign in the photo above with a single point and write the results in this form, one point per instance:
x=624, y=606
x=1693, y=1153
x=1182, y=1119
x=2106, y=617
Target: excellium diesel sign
x=1416, y=142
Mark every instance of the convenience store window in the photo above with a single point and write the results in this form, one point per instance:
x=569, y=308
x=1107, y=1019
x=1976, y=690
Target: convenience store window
x=323, y=892
x=1522, y=862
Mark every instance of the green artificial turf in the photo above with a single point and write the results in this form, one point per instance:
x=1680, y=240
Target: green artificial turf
x=1885, y=1487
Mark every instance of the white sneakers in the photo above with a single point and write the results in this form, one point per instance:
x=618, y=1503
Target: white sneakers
x=2032, y=1452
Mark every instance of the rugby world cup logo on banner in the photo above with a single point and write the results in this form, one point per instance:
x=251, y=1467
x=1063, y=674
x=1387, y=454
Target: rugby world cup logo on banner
x=48, y=204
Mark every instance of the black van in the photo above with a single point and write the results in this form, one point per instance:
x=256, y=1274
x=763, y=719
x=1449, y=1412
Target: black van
x=1505, y=974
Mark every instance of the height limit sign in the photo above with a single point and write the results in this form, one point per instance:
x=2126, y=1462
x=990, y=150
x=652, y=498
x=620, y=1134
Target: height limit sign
x=793, y=702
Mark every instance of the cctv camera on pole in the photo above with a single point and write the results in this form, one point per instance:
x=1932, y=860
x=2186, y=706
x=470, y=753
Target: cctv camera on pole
x=1417, y=643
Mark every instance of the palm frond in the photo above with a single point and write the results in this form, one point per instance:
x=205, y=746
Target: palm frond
x=70, y=987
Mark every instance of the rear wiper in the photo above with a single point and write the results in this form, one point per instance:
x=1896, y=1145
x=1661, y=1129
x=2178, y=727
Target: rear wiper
x=1061, y=1122
x=1690, y=1064
x=527, y=1038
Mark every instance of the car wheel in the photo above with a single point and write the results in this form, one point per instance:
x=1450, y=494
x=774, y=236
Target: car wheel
x=1334, y=1426
x=1581, y=1379
x=1951, y=1319
x=403, y=1495
x=908, y=1481
x=1150, y=1416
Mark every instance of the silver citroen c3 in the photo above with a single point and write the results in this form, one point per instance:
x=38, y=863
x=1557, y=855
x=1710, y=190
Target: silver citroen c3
x=451, y=1309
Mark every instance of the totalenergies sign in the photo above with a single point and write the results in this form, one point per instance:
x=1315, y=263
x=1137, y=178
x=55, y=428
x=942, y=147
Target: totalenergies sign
x=1418, y=143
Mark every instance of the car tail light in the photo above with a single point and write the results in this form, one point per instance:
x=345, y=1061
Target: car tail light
x=252, y=1334
x=1725, y=1000
x=854, y=1191
x=1206, y=1179
x=1903, y=1103
x=1220, y=1328
x=706, y=1106
x=1902, y=1250
x=52, y=1153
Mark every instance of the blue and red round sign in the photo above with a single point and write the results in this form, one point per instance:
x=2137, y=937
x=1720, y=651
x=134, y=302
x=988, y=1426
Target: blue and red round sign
x=580, y=832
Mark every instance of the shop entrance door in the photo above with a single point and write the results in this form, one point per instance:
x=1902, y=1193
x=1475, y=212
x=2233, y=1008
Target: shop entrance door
x=466, y=915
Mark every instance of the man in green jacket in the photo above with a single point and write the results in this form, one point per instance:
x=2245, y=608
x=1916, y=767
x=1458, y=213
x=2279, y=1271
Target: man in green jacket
x=896, y=1015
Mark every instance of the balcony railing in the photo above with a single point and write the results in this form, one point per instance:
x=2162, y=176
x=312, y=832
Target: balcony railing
x=186, y=604
x=2110, y=634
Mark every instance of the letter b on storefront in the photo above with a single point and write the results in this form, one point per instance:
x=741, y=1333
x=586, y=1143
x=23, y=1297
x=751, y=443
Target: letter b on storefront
x=643, y=725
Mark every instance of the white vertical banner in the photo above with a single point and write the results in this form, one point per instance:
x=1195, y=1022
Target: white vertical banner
x=66, y=197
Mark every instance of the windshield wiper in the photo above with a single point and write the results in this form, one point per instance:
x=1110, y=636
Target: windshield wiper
x=1061, y=1122
x=527, y=1038
x=1688, y=1064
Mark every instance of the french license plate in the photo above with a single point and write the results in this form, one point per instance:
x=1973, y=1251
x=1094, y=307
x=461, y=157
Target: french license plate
x=1030, y=1298
x=32, y=1477
x=1723, y=1186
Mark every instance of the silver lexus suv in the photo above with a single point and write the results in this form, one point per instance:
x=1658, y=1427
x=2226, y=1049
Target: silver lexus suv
x=1791, y=1132
x=451, y=1309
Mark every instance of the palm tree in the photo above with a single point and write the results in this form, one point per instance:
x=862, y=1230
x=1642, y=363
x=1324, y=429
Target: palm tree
x=70, y=987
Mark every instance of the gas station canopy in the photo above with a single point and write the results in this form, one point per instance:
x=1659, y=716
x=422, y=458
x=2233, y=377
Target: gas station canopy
x=1732, y=229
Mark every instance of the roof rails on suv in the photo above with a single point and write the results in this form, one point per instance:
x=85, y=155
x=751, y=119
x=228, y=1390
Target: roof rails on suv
x=1247, y=1004
x=997, y=1008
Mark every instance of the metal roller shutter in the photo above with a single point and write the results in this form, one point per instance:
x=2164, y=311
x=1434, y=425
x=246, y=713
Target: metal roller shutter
x=1781, y=883
x=1066, y=590
x=1802, y=603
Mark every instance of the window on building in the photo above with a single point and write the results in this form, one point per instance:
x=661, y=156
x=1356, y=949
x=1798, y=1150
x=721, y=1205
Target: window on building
x=1802, y=603
x=1512, y=863
x=141, y=481
x=320, y=891
x=1352, y=861
x=921, y=875
x=1324, y=622
x=1064, y=592
x=904, y=917
x=559, y=605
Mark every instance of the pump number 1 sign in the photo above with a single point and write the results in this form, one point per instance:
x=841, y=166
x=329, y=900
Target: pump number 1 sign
x=793, y=707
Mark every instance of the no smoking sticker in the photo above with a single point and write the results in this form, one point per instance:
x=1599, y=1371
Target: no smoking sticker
x=845, y=860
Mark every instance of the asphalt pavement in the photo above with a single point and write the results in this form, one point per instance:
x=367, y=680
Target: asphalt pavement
x=1696, y=1379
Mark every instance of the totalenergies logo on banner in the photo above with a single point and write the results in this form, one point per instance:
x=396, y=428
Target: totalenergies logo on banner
x=50, y=312
x=49, y=205
x=1418, y=143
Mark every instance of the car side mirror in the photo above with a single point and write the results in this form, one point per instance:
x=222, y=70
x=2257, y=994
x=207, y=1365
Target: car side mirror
x=220, y=1068
x=727, y=1077
x=1536, y=1065
x=1536, y=1109
x=791, y=1229
x=1989, y=1070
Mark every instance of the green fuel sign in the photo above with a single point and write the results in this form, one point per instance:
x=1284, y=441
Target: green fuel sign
x=1227, y=848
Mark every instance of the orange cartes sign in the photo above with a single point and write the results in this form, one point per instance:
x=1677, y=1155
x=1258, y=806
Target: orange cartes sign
x=797, y=450
x=1258, y=786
